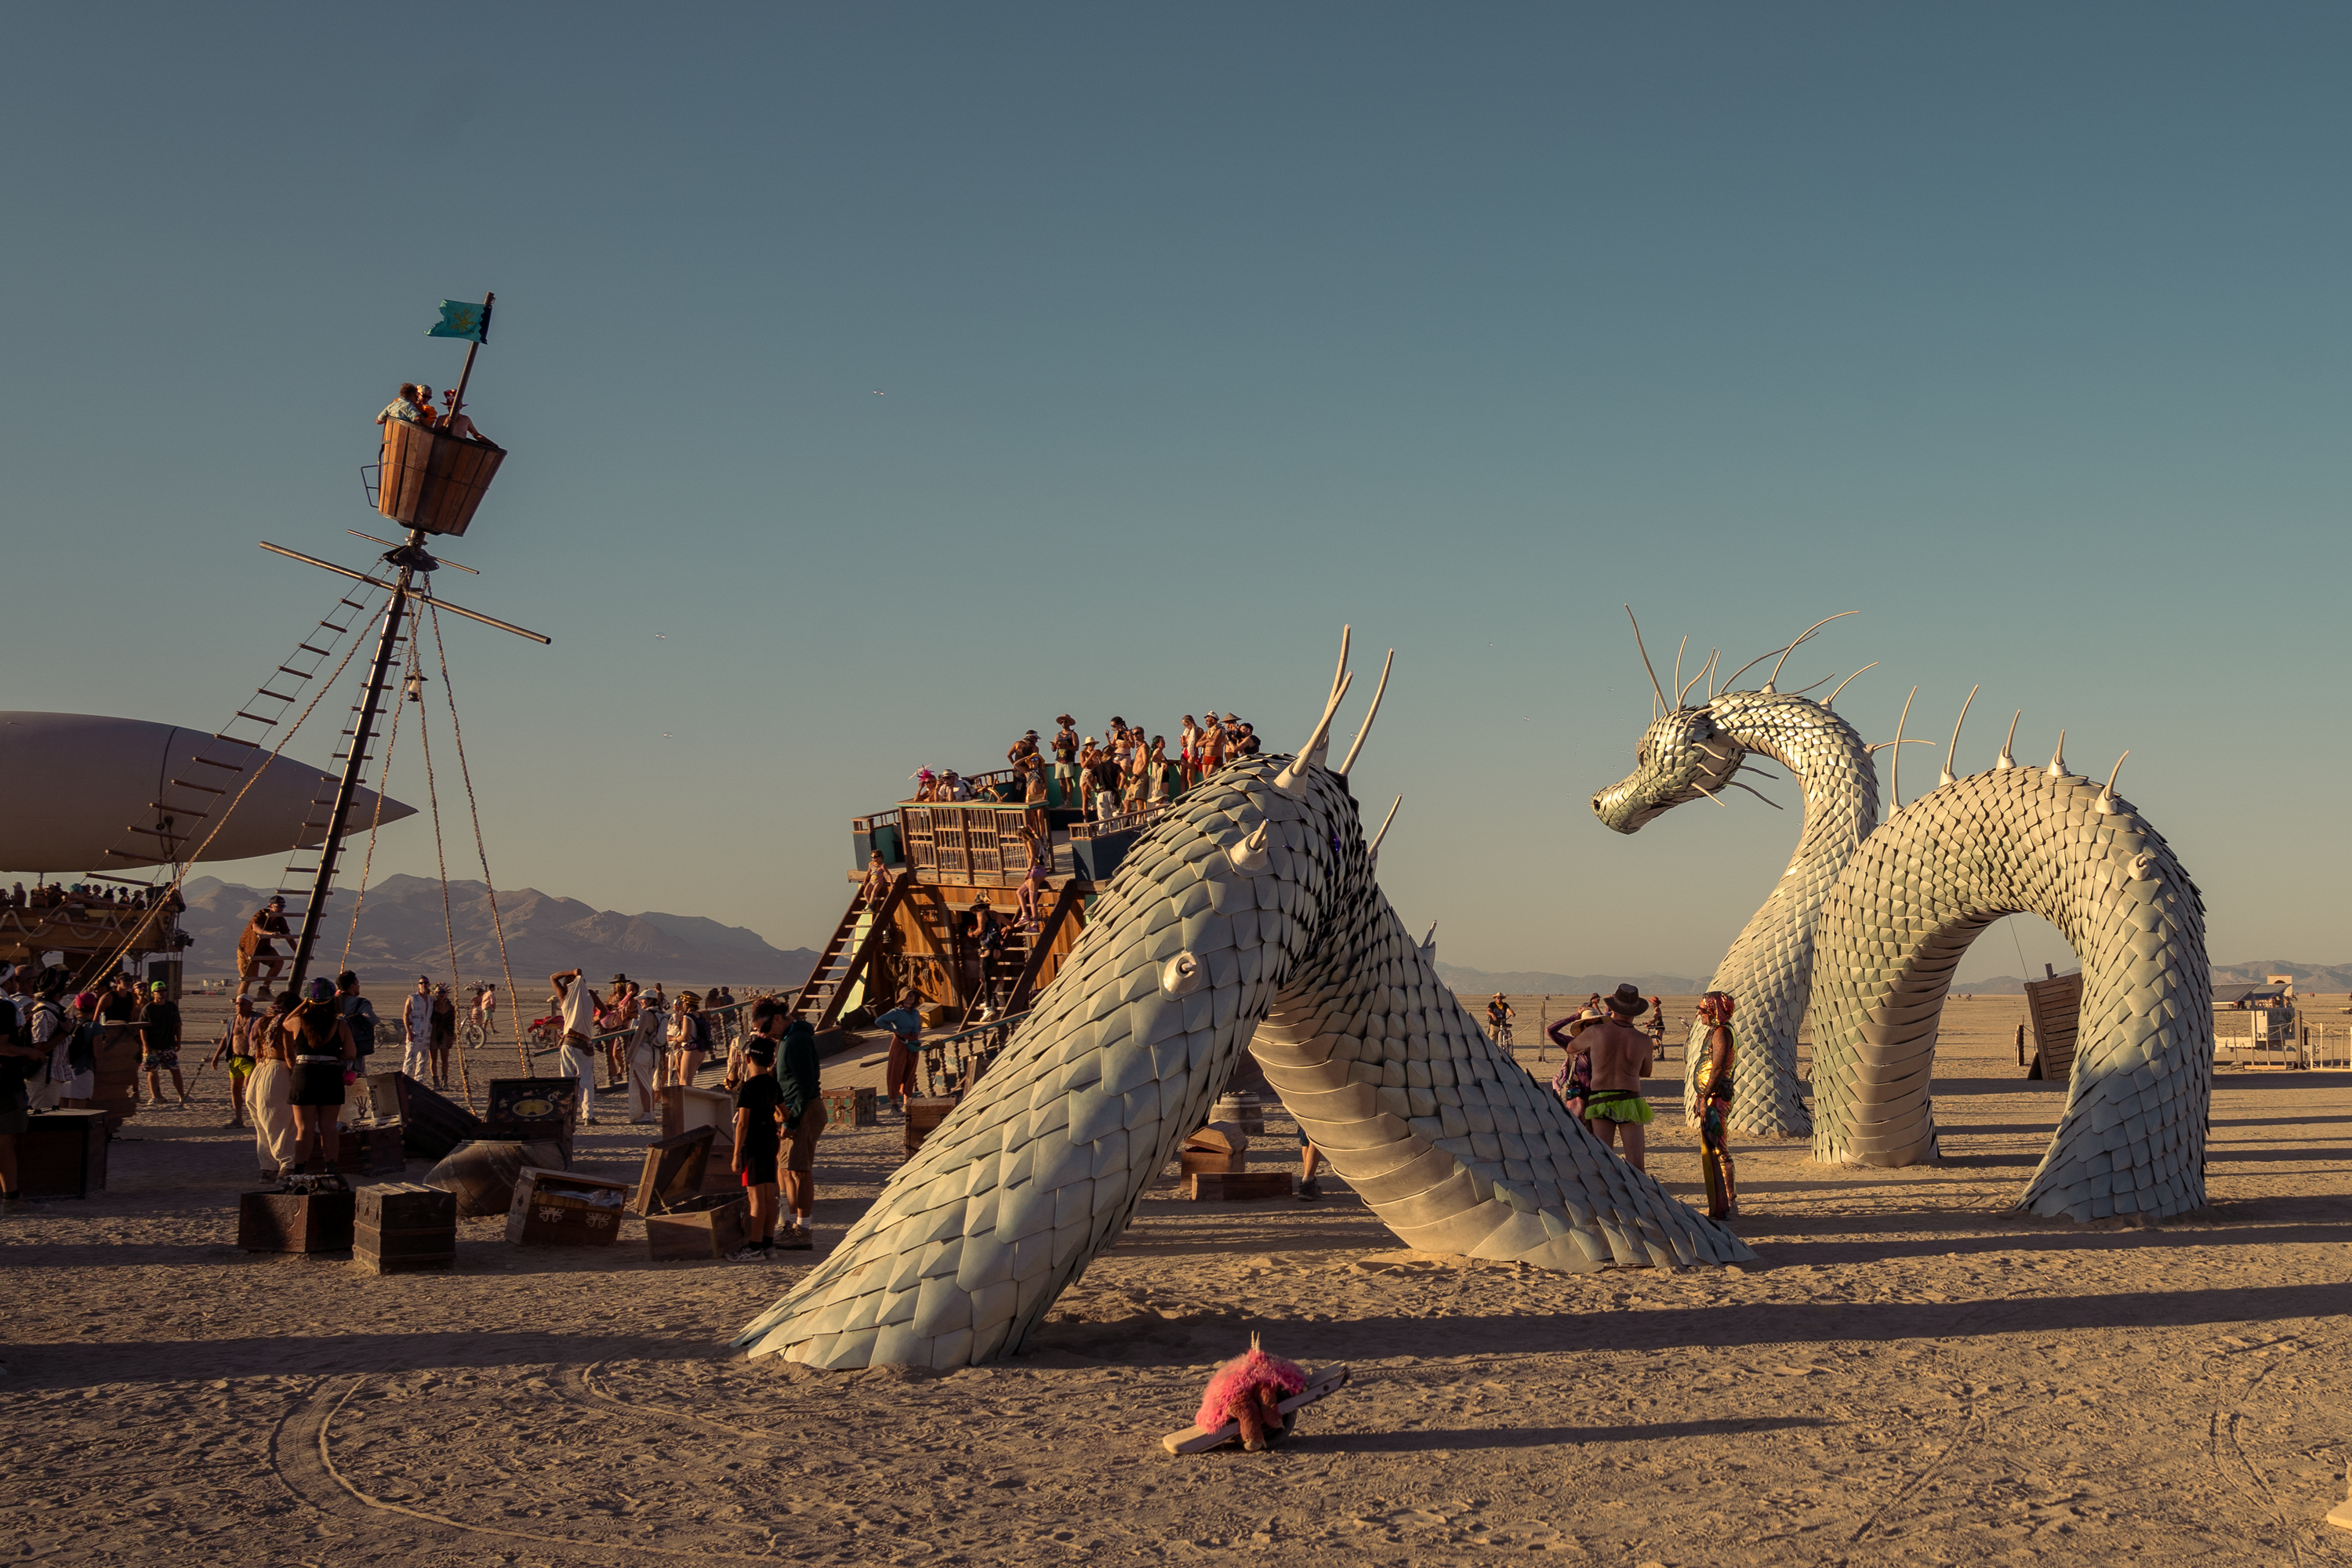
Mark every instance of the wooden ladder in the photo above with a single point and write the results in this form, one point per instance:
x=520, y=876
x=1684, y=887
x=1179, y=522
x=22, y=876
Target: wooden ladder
x=839, y=964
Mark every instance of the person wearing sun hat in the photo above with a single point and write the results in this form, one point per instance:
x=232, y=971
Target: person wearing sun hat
x=1621, y=1056
x=1065, y=761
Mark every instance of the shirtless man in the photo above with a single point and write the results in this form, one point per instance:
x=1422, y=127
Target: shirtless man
x=1621, y=1056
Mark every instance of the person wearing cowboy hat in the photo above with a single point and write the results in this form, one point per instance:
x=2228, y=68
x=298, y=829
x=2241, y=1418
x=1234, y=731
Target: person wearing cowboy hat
x=1621, y=1056
x=1065, y=760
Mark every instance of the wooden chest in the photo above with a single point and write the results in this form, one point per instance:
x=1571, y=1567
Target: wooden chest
x=674, y=1172
x=370, y=1149
x=400, y=1226
x=62, y=1154
x=924, y=1115
x=1219, y=1148
x=534, y=1109
x=431, y=1125
x=684, y=1109
x=295, y=1222
x=557, y=1209
x=1239, y=1186
x=707, y=1226
x=848, y=1108
x=116, y=1091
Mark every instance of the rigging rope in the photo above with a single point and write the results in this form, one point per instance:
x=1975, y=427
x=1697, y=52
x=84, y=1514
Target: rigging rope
x=498, y=924
x=180, y=875
x=441, y=860
x=384, y=781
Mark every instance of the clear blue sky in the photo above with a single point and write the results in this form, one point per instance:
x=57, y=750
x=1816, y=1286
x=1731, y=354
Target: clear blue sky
x=1200, y=329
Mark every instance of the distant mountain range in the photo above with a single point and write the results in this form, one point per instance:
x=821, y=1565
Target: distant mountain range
x=2309, y=978
x=401, y=936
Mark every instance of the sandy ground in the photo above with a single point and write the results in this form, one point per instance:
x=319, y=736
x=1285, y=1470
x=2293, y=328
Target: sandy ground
x=1911, y=1375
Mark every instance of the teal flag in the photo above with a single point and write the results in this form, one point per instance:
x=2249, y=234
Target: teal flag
x=460, y=320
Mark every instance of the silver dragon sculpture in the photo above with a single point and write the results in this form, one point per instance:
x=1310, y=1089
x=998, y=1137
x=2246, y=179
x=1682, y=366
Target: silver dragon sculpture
x=1247, y=916
x=1867, y=927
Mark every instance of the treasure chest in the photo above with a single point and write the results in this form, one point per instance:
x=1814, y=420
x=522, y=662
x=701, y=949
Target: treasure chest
x=529, y=1109
x=684, y=1109
x=431, y=1124
x=116, y=1089
x=706, y=1226
x=400, y=1226
x=674, y=1170
x=295, y=1222
x=62, y=1154
x=370, y=1149
x=923, y=1117
x=848, y=1108
x=562, y=1208
x=1219, y=1148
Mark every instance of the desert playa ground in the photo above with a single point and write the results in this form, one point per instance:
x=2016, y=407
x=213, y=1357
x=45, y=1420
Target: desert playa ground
x=1911, y=1374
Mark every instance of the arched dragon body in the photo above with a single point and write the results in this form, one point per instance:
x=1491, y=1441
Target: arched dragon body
x=1868, y=950
x=1246, y=916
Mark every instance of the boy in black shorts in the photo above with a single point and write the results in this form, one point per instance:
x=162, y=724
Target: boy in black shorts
x=757, y=1142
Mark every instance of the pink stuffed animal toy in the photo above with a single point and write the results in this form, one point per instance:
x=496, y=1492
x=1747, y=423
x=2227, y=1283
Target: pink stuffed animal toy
x=1249, y=1389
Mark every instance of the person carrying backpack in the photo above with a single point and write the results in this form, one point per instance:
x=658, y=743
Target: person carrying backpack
x=358, y=1017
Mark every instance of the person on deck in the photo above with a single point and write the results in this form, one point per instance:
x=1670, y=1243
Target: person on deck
x=577, y=1003
x=1032, y=882
x=1065, y=761
x=905, y=1025
x=159, y=1041
x=322, y=1044
x=875, y=888
x=1621, y=1057
x=417, y=1031
x=804, y=1119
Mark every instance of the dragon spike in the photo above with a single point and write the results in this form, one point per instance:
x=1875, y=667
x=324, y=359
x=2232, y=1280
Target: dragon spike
x=1374, y=848
x=1681, y=697
x=2058, y=758
x=1664, y=707
x=2007, y=758
x=1319, y=744
x=1347, y=764
x=1346, y=635
x=2106, y=804
x=1792, y=647
x=1954, y=749
x=1429, y=942
x=1833, y=696
x=1249, y=856
x=1678, y=669
x=1898, y=786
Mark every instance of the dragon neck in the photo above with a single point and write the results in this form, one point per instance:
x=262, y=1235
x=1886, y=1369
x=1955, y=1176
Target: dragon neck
x=1768, y=971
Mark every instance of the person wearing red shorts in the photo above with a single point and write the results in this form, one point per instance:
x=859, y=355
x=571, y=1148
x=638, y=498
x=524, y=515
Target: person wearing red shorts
x=757, y=1142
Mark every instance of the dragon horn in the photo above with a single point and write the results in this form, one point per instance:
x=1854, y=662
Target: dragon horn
x=1866, y=669
x=2058, y=758
x=1374, y=848
x=2106, y=804
x=1792, y=647
x=1683, y=694
x=1898, y=786
x=1654, y=687
x=1954, y=750
x=2008, y=759
x=1347, y=764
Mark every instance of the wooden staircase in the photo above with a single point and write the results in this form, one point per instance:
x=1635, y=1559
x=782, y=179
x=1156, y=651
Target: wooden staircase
x=844, y=958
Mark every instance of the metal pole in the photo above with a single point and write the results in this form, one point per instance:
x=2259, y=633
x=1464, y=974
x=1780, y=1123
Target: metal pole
x=354, y=766
x=457, y=404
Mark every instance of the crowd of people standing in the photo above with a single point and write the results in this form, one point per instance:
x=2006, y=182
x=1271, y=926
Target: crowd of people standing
x=1125, y=771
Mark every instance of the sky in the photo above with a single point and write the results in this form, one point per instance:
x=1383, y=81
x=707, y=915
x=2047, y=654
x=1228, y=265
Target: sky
x=881, y=381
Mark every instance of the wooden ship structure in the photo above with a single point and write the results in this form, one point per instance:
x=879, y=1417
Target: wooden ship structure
x=923, y=937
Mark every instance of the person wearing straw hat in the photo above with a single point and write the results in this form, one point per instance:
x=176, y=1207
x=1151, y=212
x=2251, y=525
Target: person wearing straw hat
x=1065, y=761
x=1621, y=1056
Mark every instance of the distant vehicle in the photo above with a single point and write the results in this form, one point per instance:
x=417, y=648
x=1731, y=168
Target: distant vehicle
x=78, y=793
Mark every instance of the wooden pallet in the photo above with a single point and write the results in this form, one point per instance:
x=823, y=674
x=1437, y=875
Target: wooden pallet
x=1201, y=1439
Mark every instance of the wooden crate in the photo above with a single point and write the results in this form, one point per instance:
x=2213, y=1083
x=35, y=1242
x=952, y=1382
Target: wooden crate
x=674, y=1170
x=1239, y=1186
x=532, y=1110
x=559, y=1209
x=62, y=1154
x=370, y=1149
x=711, y=1227
x=849, y=1108
x=924, y=1115
x=684, y=1110
x=295, y=1222
x=400, y=1226
x=2055, y=1006
x=116, y=1091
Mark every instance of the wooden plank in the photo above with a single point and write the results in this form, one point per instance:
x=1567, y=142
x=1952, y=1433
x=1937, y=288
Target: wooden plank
x=1201, y=1439
x=1239, y=1186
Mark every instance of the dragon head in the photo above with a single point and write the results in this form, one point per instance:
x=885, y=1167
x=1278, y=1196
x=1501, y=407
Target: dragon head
x=1682, y=757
